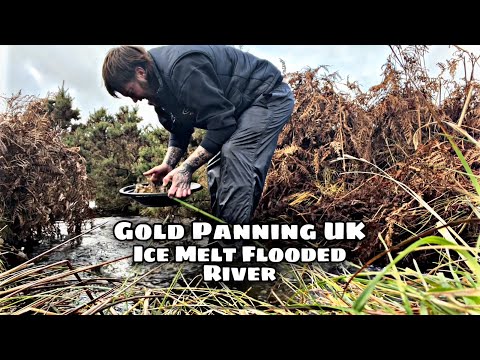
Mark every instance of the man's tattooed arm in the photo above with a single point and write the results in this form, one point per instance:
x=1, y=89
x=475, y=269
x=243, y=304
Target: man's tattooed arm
x=173, y=156
x=199, y=157
x=182, y=176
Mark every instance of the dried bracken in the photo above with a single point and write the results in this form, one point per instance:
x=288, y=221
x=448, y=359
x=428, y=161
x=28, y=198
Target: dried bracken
x=41, y=180
x=394, y=128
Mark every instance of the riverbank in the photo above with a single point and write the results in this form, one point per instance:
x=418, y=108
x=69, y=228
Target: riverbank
x=95, y=276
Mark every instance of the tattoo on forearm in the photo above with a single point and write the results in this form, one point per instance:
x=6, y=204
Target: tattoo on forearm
x=197, y=159
x=173, y=156
x=188, y=167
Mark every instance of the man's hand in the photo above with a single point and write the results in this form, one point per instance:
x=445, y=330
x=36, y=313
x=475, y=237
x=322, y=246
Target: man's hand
x=157, y=174
x=181, y=178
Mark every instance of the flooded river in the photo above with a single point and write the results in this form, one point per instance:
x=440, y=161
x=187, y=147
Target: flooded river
x=99, y=245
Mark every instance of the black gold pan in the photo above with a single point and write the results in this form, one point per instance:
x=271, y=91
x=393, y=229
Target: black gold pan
x=154, y=199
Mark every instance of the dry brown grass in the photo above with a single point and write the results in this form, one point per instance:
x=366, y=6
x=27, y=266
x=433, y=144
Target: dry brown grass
x=41, y=180
x=395, y=127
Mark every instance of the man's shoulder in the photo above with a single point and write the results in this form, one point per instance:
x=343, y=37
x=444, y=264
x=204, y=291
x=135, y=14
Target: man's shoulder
x=167, y=56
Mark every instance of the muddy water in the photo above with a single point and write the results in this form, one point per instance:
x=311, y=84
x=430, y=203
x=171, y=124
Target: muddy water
x=99, y=245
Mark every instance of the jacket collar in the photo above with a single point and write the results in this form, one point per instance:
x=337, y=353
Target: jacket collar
x=158, y=76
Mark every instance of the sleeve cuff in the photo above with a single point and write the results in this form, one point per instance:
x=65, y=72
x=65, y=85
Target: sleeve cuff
x=214, y=139
x=179, y=141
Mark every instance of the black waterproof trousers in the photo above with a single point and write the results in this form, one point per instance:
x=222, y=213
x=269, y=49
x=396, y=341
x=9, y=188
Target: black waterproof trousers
x=236, y=175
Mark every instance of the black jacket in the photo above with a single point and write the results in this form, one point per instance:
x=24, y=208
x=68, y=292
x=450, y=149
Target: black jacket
x=208, y=87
